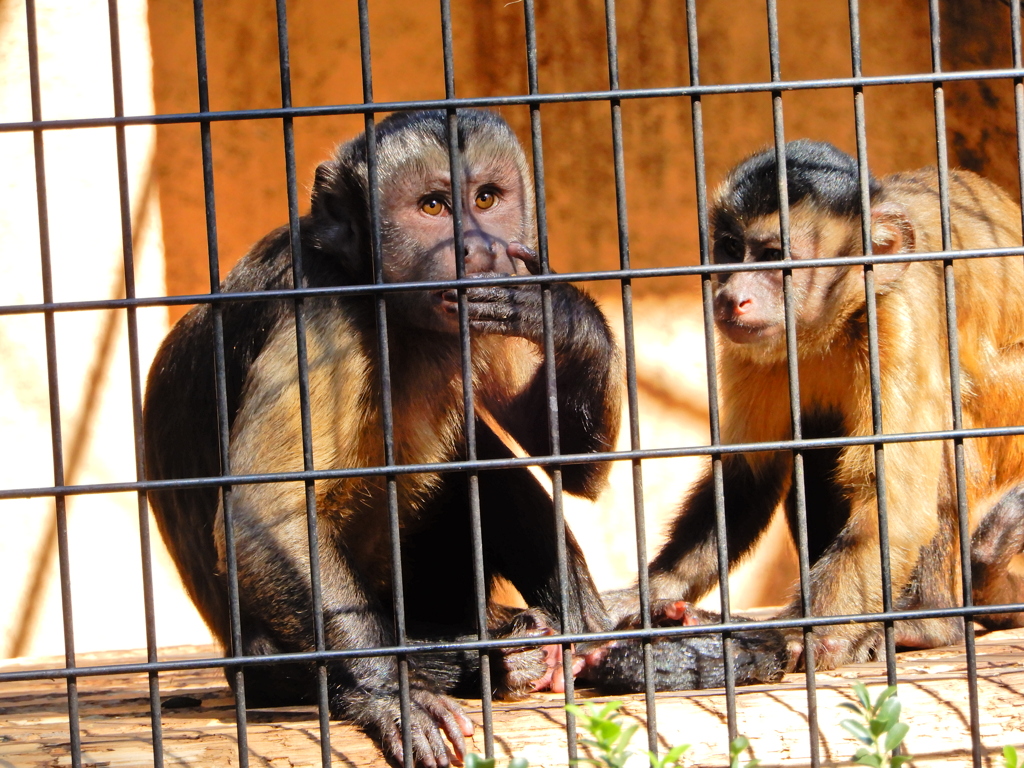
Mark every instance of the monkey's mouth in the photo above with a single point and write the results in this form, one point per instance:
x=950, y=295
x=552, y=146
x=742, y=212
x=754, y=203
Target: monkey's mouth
x=747, y=332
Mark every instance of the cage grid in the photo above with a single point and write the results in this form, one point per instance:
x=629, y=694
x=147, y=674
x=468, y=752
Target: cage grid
x=624, y=276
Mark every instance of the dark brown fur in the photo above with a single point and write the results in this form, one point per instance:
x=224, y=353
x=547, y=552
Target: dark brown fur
x=345, y=402
x=835, y=396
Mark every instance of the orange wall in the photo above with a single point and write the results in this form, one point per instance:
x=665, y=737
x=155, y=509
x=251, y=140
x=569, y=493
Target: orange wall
x=490, y=60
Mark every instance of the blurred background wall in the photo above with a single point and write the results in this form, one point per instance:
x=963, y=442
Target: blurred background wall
x=170, y=241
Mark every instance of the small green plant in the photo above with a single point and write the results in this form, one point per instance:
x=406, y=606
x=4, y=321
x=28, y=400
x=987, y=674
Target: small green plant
x=1009, y=757
x=736, y=748
x=878, y=728
x=473, y=760
x=610, y=742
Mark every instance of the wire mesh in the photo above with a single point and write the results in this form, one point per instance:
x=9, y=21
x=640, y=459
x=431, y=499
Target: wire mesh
x=626, y=276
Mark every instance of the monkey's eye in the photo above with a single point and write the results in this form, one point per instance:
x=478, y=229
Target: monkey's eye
x=485, y=200
x=432, y=206
x=728, y=249
x=771, y=254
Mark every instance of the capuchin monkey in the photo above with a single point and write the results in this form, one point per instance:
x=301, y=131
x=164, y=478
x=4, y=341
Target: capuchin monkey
x=835, y=398
x=345, y=383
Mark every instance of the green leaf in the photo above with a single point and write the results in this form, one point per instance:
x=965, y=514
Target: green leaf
x=1010, y=756
x=518, y=762
x=627, y=734
x=868, y=759
x=606, y=730
x=888, y=692
x=896, y=735
x=609, y=709
x=740, y=743
x=890, y=710
x=858, y=731
x=675, y=753
x=862, y=694
x=851, y=706
x=473, y=760
x=899, y=760
x=878, y=726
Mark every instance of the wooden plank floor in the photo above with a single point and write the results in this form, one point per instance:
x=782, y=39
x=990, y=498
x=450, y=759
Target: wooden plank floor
x=200, y=730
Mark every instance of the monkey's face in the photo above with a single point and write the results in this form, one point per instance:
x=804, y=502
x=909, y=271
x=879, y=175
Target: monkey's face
x=419, y=230
x=749, y=307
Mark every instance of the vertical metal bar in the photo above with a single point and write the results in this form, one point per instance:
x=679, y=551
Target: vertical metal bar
x=1018, y=95
x=468, y=408
x=230, y=558
x=302, y=362
x=145, y=538
x=57, y=445
x=875, y=374
x=707, y=305
x=799, y=490
x=629, y=342
x=942, y=161
x=536, y=140
x=384, y=364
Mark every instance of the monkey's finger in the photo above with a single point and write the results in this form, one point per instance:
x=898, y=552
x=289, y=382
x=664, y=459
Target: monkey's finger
x=526, y=255
x=449, y=716
x=391, y=740
x=483, y=294
x=428, y=746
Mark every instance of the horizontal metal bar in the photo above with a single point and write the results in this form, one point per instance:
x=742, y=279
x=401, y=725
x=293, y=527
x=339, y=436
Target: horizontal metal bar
x=559, y=277
x=504, y=101
x=421, y=648
x=527, y=461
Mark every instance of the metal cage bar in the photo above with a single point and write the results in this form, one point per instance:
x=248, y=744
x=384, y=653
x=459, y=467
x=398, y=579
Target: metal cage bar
x=128, y=251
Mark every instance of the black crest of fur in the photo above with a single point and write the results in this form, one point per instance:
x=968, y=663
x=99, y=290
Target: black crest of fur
x=815, y=171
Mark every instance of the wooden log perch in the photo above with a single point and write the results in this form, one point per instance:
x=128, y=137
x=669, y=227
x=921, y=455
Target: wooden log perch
x=198, y=717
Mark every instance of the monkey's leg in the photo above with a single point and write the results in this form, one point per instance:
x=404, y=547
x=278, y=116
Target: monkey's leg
x=274, y=587
x=520, y=544
x=441, y=605
x=998, y=538
x=935, y=583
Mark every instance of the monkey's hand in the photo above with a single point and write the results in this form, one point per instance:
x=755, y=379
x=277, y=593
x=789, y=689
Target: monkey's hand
x=511, y=310
x=431, y=715
x=685, y=662
x=530, y=668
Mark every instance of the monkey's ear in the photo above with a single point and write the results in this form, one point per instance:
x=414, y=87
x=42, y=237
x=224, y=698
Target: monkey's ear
x=339, y=212
x=330, y=198
x=892, y=232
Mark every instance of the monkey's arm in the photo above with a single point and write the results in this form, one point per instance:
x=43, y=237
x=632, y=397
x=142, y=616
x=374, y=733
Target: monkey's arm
x=686, y=567
x=587, y=372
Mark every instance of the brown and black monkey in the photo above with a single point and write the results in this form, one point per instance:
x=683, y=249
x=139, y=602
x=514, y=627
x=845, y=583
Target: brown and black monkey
x=345, y=395
x=832, y=342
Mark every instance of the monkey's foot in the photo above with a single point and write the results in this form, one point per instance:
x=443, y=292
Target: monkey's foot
x=530, y=668
x=433, y=716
